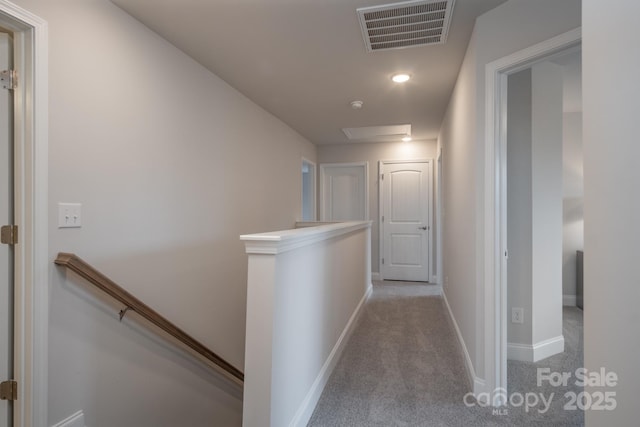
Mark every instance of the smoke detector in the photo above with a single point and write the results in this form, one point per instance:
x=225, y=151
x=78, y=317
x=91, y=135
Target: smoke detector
x=357, y=105
x=407, y=24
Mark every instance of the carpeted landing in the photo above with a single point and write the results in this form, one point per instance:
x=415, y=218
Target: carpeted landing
x=402, y=367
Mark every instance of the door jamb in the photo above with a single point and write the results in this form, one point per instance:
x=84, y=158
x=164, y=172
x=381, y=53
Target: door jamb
x=495, y=181
x=31, y=213
x=381, y=164
x=438, y=216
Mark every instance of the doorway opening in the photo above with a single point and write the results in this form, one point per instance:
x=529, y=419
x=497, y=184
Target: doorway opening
x=6, y=221
x=496, y=254
x=544, y=223
x=308, y=190
x=30, y=213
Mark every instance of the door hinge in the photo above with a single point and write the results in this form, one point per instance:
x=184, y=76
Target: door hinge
x=9, y=390
x=9, y=234
x=382, y=218
x=9, y=79
x=382, y=261
x=382, y=177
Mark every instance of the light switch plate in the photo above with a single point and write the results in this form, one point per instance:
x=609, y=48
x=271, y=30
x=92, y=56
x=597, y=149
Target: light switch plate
x=69, y=215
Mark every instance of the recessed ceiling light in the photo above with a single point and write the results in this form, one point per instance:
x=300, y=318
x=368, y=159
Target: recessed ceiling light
x=357, y=105
x=401, y=78
x=406, y=139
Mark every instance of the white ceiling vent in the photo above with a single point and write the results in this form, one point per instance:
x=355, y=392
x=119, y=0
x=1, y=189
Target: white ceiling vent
x=378, y=133
x=406, y=24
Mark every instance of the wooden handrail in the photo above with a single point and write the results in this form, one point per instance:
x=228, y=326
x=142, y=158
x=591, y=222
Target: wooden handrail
x=102, y=282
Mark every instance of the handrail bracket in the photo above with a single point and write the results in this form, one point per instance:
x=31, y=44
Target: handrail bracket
x=123, y=312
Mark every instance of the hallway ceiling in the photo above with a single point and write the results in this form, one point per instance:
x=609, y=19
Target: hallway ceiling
x=304, y=61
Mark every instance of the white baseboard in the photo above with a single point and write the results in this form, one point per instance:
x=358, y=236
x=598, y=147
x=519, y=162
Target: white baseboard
x=304, y=412
x=521, y=352
x=436, y=289
x=479, y=387
x=569, y=300
x=536, y=352
x=376, y=276
x=75, y=420
x=548, y=348
x=478, y=384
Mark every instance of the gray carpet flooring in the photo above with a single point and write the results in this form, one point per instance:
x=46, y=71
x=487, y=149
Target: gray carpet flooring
x=402, y=367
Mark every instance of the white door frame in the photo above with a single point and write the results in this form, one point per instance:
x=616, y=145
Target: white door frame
x=381, y=164
x=323, y=202
x=31, y=213
x=495, y=199
x=438, y=216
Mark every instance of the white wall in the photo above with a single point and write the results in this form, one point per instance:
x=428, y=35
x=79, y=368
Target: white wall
x=171, y=166
x=611, y=202
x=510, y=27
x=546, y=218
x=573, y=199
x=519, y=205
x=573, y=175
x=459, y=209
x=534, y=208
x=373, y=153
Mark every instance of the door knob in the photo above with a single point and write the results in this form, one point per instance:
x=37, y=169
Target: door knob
x=422, y=228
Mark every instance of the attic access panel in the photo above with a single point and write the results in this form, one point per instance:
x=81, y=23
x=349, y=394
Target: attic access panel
x=377, y=133
x=407, y=24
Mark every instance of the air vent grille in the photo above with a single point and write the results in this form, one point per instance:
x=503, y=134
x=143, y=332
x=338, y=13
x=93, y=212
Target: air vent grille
x=406, y=29
x=406, y=24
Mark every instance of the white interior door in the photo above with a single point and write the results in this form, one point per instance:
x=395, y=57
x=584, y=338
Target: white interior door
x=6, y=217
x=406, y=220
x=344, y=192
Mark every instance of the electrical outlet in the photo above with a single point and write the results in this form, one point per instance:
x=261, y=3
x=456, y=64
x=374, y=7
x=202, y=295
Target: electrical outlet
x=517, y=315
